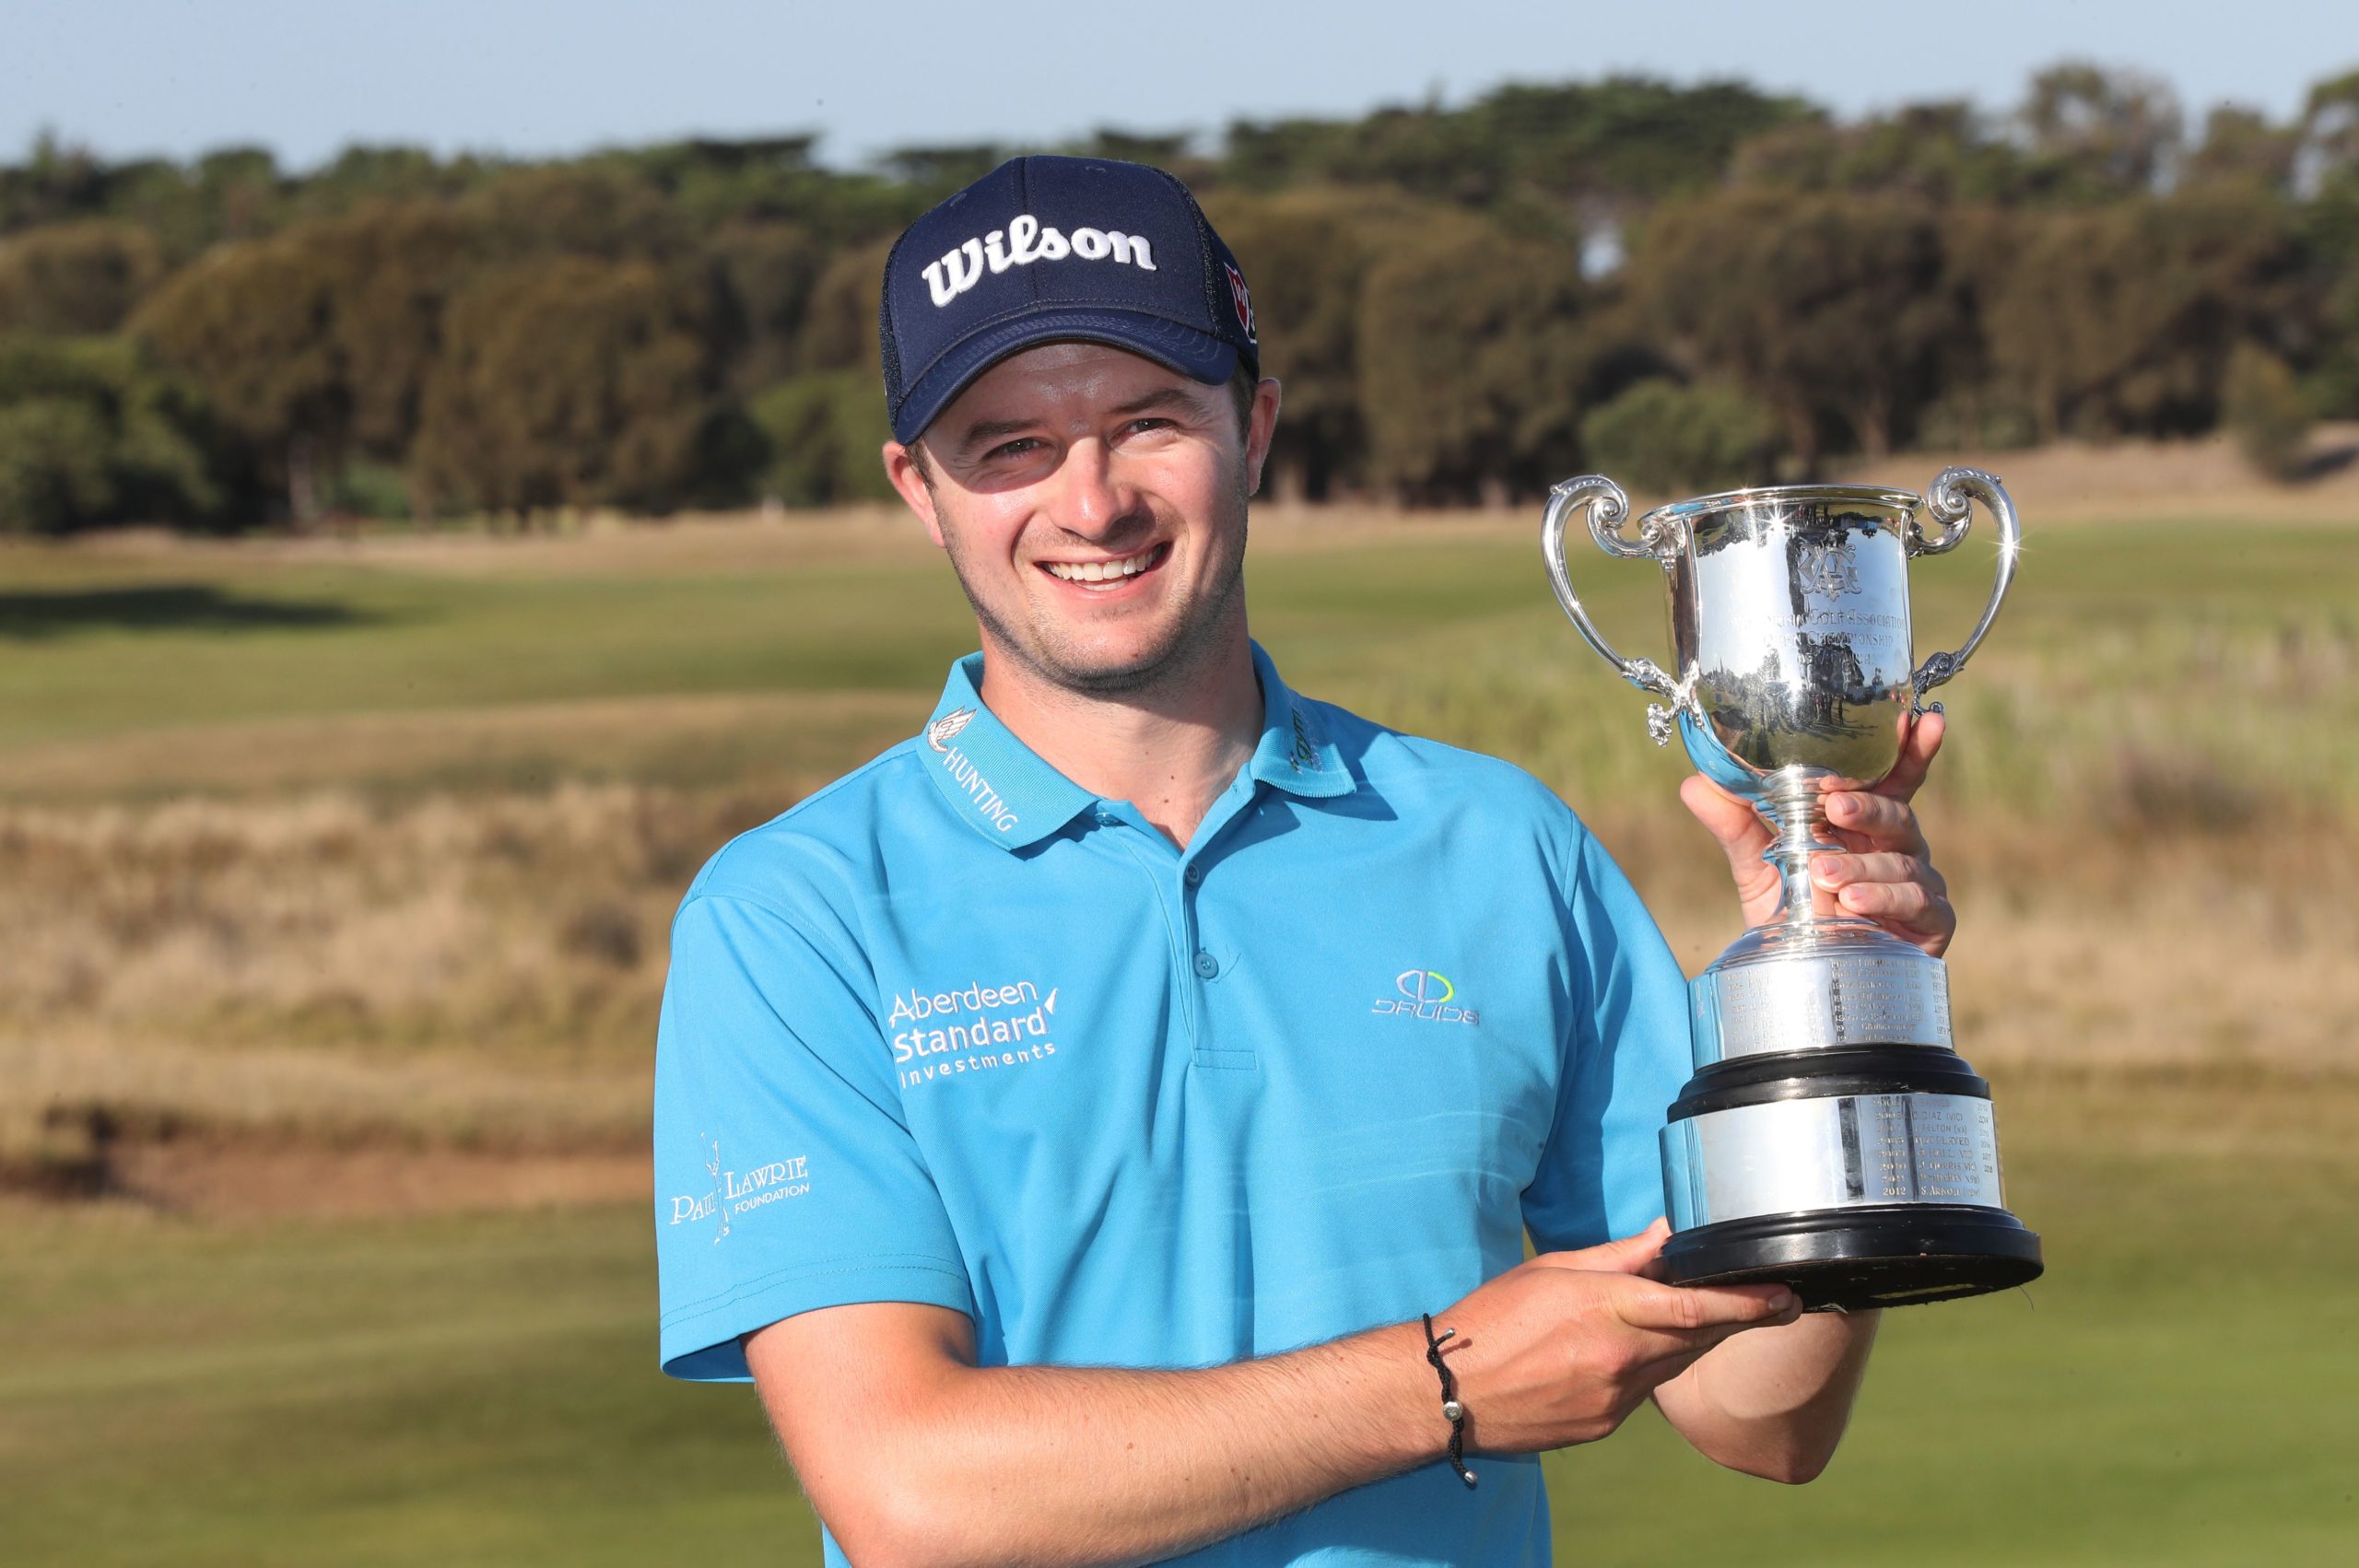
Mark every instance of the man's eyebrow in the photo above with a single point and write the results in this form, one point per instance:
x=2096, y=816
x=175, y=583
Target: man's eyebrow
x=984, y=431
x=1161, y=397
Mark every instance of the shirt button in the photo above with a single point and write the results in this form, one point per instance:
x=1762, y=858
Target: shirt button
x=1192, y=875
x=1207, y=965
x=1106, y=817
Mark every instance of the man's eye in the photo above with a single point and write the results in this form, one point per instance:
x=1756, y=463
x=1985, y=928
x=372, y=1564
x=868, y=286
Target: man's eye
x=1014, y=449
x=1148, y=422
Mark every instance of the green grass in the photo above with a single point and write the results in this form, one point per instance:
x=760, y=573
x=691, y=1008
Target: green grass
x=2195, y=666
x=279, y=642
x=2182, y=1388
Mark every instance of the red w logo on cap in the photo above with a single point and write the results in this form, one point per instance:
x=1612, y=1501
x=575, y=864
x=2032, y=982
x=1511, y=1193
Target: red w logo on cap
x=1243, y=298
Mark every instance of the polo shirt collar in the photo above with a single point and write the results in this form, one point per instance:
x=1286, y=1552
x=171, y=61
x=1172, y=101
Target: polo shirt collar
x=1003, y=789
x=998, y=785
x=1296, y=754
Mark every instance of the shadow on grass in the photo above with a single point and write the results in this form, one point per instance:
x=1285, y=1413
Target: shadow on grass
x=34, y=618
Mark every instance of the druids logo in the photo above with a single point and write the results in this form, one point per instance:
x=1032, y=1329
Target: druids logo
x=977, y=1028
x=738, y=1193
x=962, y=768
x=1426, y=995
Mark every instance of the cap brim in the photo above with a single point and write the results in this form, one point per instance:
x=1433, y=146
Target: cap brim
x=1198, y=354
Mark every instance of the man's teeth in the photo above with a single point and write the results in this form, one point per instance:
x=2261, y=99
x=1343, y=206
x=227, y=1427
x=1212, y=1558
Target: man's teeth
x=1101, y=572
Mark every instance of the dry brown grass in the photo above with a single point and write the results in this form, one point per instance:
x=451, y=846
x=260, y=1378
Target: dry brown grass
x=474, y=973
x=482, y=972
x=2087, y=951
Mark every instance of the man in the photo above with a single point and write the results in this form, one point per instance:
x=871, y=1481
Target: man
x=1068, y=1118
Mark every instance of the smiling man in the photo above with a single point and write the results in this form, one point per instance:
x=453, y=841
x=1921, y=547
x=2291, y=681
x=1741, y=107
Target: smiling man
x=1069, y=1119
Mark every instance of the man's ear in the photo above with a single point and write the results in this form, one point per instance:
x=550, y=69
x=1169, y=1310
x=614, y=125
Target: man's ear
x=904, y=469
x=1261, y=427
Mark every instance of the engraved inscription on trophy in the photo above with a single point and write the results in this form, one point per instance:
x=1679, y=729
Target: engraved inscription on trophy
x=1869, y=1000
x=1955, y=1151
x=1886, y=1003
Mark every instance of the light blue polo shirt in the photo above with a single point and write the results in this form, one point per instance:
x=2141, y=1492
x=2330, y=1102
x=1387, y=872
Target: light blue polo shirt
x=955, y=1030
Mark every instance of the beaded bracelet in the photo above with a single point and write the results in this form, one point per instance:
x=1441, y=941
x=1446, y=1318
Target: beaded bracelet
x=1452, y=1411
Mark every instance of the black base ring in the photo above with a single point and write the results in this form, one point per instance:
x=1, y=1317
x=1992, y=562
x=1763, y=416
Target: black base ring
x=1852, y=1259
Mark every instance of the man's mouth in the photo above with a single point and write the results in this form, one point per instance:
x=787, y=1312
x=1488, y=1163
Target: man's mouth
x=1102, y=575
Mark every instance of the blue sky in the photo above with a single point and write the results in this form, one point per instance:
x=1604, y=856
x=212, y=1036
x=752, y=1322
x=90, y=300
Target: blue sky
x=536, y=77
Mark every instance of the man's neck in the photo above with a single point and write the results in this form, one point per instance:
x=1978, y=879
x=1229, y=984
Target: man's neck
x=1169, y=750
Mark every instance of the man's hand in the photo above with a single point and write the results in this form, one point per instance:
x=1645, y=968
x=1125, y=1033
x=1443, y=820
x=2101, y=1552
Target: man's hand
x=1561, y=1347
x=1885, y=875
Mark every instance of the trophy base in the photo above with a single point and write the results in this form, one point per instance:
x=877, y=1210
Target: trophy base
x=1856, y=1258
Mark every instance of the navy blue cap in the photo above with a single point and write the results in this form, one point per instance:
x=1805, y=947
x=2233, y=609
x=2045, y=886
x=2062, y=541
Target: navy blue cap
x=1045, y=250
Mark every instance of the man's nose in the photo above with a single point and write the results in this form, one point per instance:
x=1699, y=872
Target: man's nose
x=1094, y=499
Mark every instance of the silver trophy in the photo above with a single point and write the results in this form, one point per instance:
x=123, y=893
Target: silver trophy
x=1831, y=1139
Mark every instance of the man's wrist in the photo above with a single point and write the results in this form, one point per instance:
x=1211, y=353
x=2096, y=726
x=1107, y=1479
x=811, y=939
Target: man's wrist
x=1415, y=1429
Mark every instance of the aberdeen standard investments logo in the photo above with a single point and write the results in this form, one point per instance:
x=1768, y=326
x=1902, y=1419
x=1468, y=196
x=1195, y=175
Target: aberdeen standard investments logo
x=1427, y=994
x=971, y=1028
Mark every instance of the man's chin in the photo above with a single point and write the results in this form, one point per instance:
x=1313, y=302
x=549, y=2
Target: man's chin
x=1111, y=676
x=1115, y=670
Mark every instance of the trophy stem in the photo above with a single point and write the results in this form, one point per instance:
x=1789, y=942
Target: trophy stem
x=1796, y=810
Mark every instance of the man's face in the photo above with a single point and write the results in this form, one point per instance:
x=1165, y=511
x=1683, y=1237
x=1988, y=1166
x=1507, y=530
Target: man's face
x=1093, y=505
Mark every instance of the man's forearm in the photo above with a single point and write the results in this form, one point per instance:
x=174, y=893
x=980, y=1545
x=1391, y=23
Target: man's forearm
x=915, y=1456
x=1774, y=1402
x=1080, y=1466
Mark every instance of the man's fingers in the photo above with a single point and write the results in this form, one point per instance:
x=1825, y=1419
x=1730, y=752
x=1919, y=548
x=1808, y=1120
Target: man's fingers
x=1918, y=748
x=1667, y=1351
x=1910, y=905
x=1685, y=1308
x=1735, y=824
x=1880, y=866
x=1876, y=819
x=1626, y=1254
x=1742, y=835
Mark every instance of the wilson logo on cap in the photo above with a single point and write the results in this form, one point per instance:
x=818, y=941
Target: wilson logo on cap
x=1024, y=241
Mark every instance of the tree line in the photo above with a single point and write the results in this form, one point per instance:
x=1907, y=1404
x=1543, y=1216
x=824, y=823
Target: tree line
x=1687, y=286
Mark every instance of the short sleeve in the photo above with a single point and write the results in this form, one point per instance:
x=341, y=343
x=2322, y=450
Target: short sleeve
x=785, y=1176
x=1625, y=1059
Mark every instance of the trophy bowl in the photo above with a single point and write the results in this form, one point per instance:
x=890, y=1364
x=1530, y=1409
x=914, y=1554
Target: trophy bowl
x=1831, y=1139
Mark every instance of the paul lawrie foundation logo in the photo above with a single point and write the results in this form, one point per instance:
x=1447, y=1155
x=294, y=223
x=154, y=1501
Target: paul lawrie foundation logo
x=735, y=1194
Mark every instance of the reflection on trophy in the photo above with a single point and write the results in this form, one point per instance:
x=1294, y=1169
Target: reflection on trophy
x=1831, y=1139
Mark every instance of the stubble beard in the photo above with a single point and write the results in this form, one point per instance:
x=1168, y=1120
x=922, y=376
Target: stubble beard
x=1197, y=632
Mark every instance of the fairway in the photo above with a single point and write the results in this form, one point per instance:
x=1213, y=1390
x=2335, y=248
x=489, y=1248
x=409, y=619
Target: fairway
x=2182, y=1388
x=2161, y=636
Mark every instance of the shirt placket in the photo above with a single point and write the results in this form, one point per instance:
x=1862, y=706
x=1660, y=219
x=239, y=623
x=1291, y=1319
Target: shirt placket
x=1177, y=878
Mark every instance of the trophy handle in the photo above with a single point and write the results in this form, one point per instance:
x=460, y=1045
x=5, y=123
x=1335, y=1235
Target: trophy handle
x=1951, y=503
x=1658, y=540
